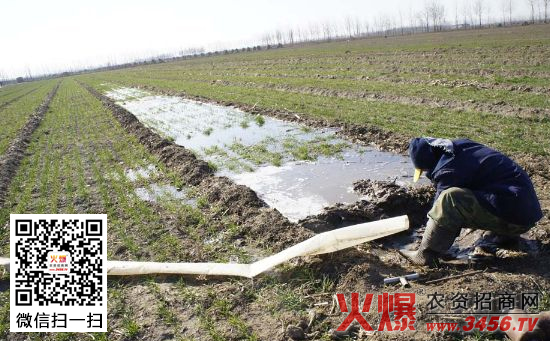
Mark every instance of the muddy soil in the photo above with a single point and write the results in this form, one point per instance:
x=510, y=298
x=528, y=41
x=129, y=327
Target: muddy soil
x=9, y=162
x=383, y=199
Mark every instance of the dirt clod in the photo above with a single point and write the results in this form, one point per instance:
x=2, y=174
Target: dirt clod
x=295, y=333
x=352, y=330
x=382, y=199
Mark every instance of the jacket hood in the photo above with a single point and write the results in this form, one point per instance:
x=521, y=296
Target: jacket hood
x=425, y=152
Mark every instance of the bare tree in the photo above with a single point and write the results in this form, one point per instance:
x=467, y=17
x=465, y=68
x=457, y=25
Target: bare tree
x=545, y=2
x=440, y=15
x=279, y=37
x=302, y=34
x=420, y=19
x=290, y=36
x=504, y=7
x=384, y=24
x=510, y=11
x=532, y=5
x=314, y=31
x=401, y=22
x=437, y=13
x=426, y=14
x=430, y=8
x=377, y=26
x=456, y=15
x=391, y=25
x=468, y=13
x=357, y=28
x=348, y=26
x=3, y=78
x=298, y=34
x=479, y=8
x=327, y=30
x=28, y=72
x=267, y=39
x=366, y=26
x=412, y=20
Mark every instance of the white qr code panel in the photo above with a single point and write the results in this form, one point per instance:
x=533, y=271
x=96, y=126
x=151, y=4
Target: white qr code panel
x=58, y=280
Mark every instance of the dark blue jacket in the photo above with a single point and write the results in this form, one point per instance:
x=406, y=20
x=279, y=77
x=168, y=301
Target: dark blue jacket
x=499, y=184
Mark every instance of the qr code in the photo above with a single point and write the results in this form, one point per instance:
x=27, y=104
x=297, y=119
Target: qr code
x=58, y=265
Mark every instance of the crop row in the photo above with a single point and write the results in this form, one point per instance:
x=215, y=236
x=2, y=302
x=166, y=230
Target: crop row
x=11, y=94
x=16, y=114
x=511, y=134
x=78, y=162
x=419, y=91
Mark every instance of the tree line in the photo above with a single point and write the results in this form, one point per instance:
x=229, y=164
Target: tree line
x=433, y=16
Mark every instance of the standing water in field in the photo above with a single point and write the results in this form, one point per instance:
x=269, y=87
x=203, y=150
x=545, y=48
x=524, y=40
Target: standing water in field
x=294, y=168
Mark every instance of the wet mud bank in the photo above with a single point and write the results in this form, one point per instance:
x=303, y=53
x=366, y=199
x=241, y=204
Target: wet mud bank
x=382, y=199
x=9, y=162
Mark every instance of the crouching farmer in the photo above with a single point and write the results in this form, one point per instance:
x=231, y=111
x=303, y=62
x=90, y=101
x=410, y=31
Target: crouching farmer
x=477, y=187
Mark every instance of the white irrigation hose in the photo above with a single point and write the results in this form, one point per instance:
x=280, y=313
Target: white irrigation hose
x=326, y=242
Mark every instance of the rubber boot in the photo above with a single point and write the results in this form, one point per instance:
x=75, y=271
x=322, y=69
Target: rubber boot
x=435, y=242
x=491, y=241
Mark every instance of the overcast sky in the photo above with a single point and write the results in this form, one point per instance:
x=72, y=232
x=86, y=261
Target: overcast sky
x=50, y=36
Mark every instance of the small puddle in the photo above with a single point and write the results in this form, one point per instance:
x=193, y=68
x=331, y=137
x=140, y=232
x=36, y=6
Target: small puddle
x=301, y=189
x=294, y=168
x=142, y=172
x=124, y=94
x=156, y=192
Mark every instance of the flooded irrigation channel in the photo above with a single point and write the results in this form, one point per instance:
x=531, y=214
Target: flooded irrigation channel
x=294, y=168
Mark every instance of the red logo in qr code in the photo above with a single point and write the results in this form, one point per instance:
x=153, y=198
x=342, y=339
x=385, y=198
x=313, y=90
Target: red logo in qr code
x=58, y=262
